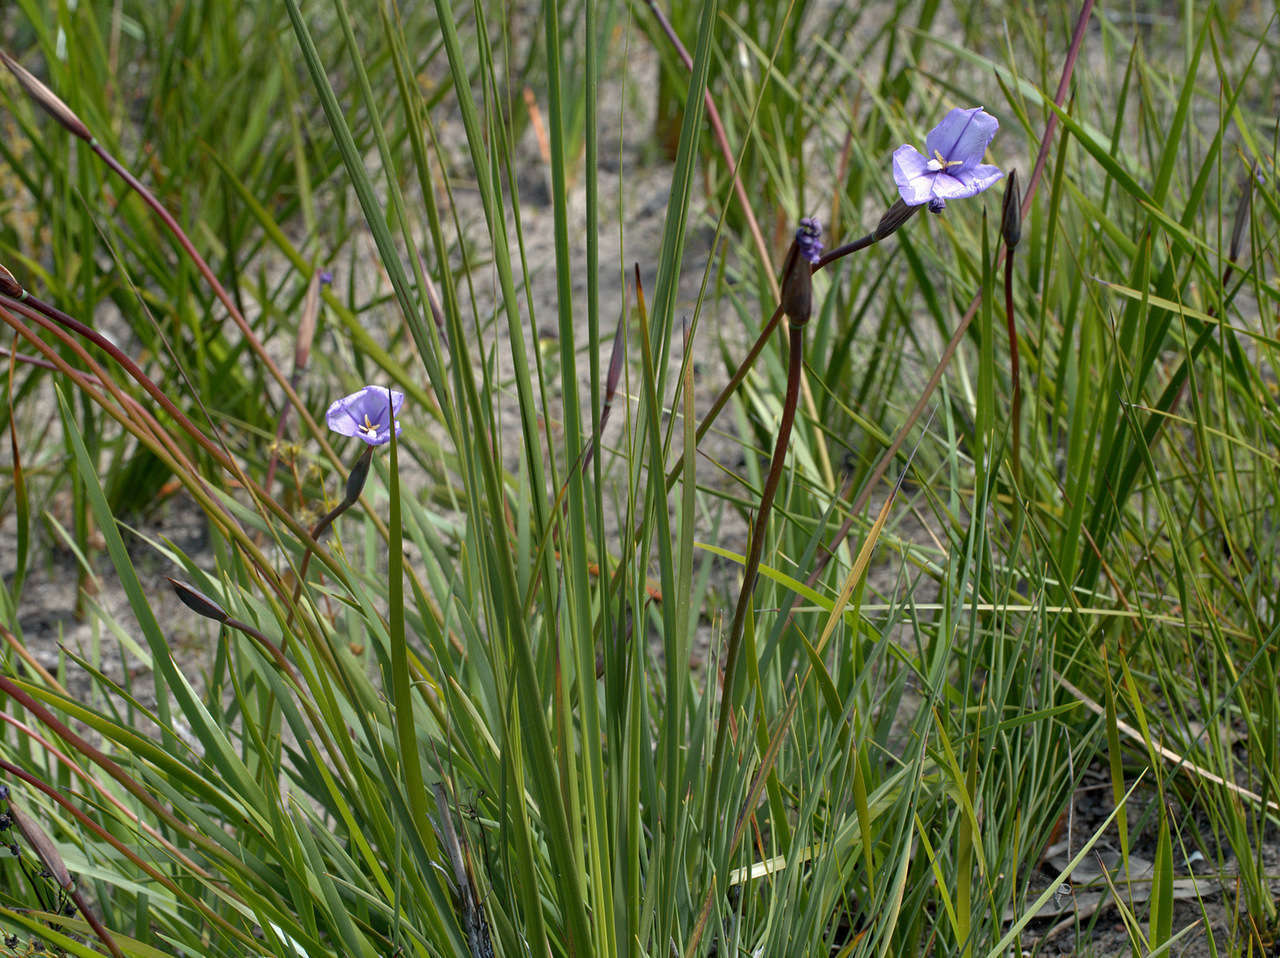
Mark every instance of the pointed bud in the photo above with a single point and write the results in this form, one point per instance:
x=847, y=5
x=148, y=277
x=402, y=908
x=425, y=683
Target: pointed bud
x=198, y=602
x=43, y=846
x=1011, y=211
x=9, y=286
x=359, y=475
x=797, y=286
x=894, y=217
x=1241, y=222
x=47, y=99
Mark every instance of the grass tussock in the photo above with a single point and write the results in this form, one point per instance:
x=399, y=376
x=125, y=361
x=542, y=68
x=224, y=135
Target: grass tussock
x=941, y=620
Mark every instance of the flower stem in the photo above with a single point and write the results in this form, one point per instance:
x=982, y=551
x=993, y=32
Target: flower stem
x=755, y=550
x=887, y=457
x=744, y=367
x=349, y=499
x=839, y=252
x=729, y=389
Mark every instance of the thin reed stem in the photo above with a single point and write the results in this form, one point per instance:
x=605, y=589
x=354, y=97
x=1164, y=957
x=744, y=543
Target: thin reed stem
x=722, y=140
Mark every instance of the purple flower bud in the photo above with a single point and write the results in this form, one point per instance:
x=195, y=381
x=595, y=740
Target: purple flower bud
x=952, y=170
x=326, y=278
x=367, y=414
x=809, y=239
x=1241, y=221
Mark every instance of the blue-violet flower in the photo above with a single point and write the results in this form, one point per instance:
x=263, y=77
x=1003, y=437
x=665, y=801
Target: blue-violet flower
x=809, y=239
x=951, y=171
x=367, y=414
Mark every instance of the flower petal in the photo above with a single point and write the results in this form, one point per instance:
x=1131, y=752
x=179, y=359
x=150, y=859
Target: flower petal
x=339, y=418
x=910, y=172
x=980, y=177
x=962, y=137
x=365, y=414
x=958, y=185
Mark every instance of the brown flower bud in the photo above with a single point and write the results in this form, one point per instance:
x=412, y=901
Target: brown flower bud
x=357, y=478
x=1011, y=211
x=46, y=98
x=894, y=217
x=198, y=602
x=797, y=286
x=9, y=286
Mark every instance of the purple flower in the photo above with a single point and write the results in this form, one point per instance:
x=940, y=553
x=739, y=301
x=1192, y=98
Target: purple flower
x=326, y=278
x=365, y=414
x=809, y=239
x=951, y=171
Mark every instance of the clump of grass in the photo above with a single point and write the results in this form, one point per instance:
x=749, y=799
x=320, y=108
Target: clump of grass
x=984, y=563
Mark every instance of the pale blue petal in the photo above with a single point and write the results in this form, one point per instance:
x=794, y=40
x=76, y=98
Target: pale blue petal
x=339, y=418
x=958, y=185
x=962, y=136
x=347, y=416
x=947, y=187
x=980, y=177
x=910, y=172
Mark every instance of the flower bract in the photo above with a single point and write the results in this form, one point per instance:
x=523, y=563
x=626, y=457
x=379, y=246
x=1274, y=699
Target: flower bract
x=951, y=170
x=367, y=414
